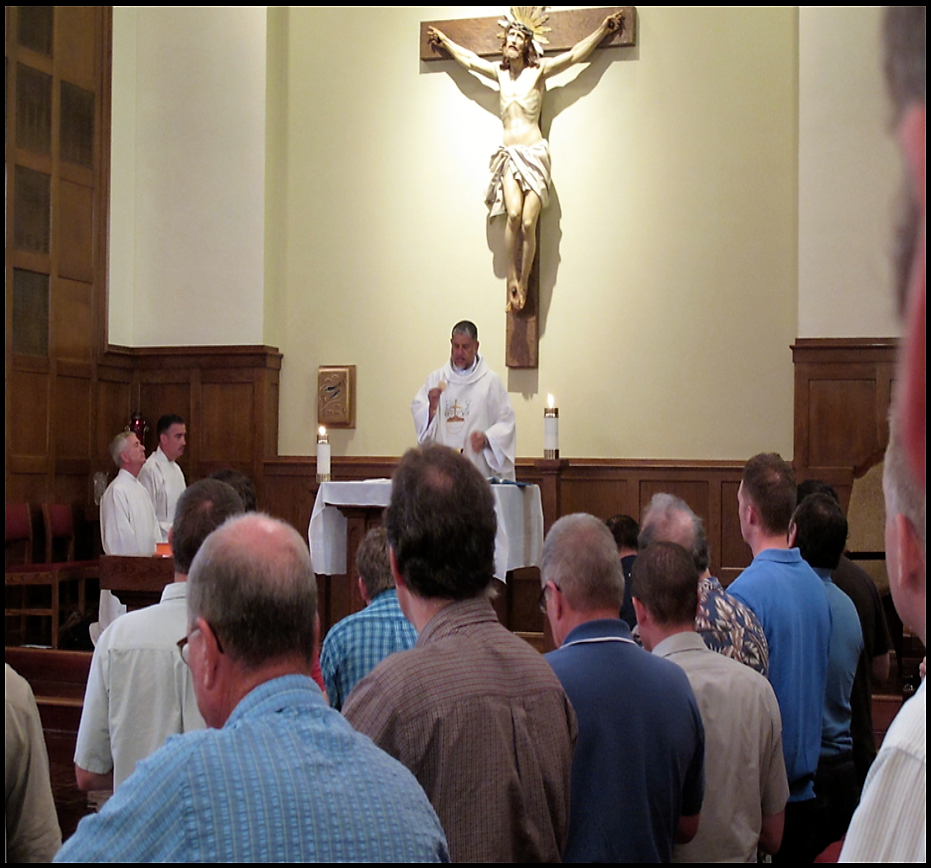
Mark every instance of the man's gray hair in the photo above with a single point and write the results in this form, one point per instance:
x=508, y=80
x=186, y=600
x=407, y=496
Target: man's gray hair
x=903, y=495
x=260, y=601
x=670, y=519
x=579, y=555
x=465, y=327
x=117, y=445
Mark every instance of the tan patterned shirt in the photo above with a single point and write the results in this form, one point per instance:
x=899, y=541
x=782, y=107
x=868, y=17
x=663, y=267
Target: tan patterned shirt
x=482, y=721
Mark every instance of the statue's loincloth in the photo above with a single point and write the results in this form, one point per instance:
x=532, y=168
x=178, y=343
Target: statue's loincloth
x=530, y=166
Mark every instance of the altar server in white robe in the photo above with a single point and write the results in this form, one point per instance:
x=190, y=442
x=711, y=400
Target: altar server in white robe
x=128, y=525
x=465, y=405
x=161, y=475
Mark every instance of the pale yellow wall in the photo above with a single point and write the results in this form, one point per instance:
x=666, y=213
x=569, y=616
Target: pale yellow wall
x=849, y=174
x=187, y=212
x=671, y=251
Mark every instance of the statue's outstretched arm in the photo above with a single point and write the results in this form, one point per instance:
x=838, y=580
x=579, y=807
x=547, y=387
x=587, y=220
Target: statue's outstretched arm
x=583, y=48
x=469, y=59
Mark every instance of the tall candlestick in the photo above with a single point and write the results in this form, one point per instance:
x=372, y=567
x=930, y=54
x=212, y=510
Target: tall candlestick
x=550, y=430
x=323, y=455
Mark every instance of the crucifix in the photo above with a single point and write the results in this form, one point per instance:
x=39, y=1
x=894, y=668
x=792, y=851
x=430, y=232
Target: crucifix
x=520, y=168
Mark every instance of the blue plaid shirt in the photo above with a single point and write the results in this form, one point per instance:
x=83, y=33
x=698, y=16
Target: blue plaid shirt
x=285, y=780
x=358, y=643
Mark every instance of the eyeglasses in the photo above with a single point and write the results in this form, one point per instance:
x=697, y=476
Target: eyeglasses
x=543, y=595
x=184, y=648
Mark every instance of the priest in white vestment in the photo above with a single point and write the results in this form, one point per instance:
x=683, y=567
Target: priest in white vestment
x=464, y=405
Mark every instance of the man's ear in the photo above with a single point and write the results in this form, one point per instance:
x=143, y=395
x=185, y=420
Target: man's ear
x=643, y=615
x=362, y=592
x=556, y=599
x=212, y=656
x=793, y=533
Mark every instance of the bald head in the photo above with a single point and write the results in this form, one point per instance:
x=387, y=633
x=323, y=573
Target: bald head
x=253, y=583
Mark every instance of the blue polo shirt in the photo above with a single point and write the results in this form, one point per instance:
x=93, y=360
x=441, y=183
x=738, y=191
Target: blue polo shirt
x=789, y=599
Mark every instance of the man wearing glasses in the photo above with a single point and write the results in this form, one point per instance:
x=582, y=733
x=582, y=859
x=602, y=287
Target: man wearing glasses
x=279, y=776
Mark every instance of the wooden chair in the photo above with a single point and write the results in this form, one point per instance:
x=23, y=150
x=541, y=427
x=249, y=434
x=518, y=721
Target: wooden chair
x=18, y=536
x=24, y=583
x=59, y=532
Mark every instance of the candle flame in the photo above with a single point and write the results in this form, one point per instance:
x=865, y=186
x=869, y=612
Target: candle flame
x=550, y=401
x=321, y=431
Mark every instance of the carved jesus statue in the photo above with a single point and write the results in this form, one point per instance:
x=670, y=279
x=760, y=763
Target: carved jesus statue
x=520, y=168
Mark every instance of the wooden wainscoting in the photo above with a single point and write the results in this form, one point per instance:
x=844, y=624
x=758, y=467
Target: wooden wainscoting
x=843, y=389
x=605, y=487
x=602, y=487
x=228, y=397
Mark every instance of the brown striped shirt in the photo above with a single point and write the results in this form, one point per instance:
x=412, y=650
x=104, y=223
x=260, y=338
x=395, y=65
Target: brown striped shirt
x=482, y=721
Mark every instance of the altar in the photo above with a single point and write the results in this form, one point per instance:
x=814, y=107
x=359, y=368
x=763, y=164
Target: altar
x=518, y=509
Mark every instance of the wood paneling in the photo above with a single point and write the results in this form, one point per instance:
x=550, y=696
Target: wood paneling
x=228, y=397
x=602, y=487
x=57, y=157
x=29, y=405
x=72, y=325
x=843, y=389
x=79, y=59
x=74, y=226
x=71, y=418
x=228, y=422
x=114, y=386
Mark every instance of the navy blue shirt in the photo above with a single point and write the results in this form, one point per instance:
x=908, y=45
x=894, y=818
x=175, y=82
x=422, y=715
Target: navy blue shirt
x=638, y=760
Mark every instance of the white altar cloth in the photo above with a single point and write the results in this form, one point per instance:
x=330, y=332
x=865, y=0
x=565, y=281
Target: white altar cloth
x=518, y=508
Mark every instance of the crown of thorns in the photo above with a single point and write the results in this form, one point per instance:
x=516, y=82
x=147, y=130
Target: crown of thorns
x=529, y=20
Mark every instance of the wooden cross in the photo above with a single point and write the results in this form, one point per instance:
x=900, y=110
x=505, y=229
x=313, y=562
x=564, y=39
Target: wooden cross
x=480, y=35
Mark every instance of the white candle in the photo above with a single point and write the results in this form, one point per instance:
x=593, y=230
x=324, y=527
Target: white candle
x=323, y=455
x=550, y=429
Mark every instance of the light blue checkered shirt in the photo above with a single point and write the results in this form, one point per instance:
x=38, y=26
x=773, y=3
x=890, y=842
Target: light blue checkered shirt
x=285, y=780
x=358, y=643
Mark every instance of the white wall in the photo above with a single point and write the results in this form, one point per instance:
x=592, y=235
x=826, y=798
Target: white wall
x=849, y=175
x=187, y=213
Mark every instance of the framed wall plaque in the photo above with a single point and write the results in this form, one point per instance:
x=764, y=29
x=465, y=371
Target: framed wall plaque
x=336, y=396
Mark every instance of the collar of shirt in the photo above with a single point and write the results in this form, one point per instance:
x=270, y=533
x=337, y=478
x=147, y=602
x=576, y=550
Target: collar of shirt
x=174, y=591
x=161, y=457
x=688, y=640
x=458, y=614
x=599, y=630
x=780, y=556
x=272, y=696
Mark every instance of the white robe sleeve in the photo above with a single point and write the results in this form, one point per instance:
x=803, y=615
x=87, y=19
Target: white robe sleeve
x=501, y=451
x=425, y=427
